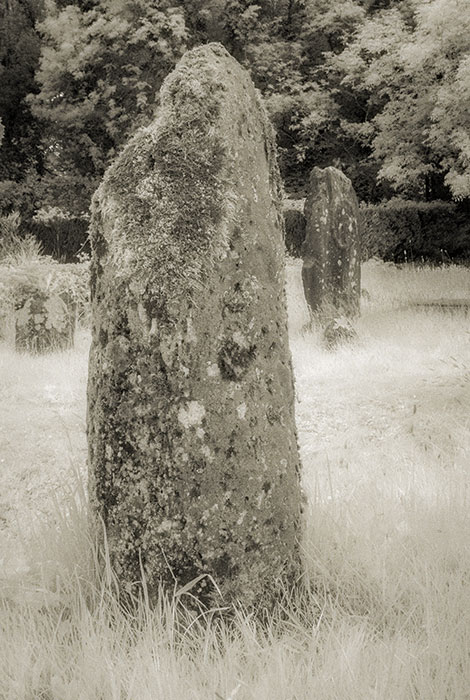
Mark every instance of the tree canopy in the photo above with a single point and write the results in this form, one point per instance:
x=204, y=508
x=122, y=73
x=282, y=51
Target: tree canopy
x=412, y=69
x=100, y=70
x=379, y=88
x=21, y=154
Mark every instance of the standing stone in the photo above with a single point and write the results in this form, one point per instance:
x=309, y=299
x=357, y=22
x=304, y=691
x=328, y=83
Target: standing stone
x=44, y=322
x=192, y=440
x=331, y=271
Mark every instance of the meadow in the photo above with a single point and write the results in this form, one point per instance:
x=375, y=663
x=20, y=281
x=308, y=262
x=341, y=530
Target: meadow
x=384, y=435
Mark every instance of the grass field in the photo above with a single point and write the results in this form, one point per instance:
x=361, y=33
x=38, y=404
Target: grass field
x=384, y=432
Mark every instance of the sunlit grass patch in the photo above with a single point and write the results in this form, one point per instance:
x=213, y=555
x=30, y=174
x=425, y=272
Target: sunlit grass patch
x=398, y=635
x=387, y=284
x=383, y=613
x=42, y=418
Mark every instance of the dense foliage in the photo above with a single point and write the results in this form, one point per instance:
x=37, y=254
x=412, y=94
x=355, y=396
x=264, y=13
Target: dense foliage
x=379, y=88
x=21, y=153
x=408, y=231
x=413, y=70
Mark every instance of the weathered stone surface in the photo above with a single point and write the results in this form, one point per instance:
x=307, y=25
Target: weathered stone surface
x=331, y=271
x=192, y=442
x=44, y=323
x=294, y=221
x=337, y=332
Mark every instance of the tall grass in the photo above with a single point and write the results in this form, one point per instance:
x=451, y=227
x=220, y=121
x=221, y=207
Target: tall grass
x=384, y=433
x=16, y=249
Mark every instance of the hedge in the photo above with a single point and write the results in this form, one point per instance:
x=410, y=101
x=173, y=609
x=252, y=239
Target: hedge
x=401, y=230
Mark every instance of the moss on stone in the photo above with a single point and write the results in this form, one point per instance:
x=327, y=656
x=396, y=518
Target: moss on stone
x=168, y=183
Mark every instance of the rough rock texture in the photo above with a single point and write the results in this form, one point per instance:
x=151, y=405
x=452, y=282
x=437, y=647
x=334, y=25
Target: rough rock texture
x=294, y=221
x=331, y=271
x=192, y=441
x=337, y=332
x=44, y=323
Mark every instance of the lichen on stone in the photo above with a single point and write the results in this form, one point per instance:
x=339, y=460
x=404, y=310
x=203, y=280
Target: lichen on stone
x=331, y=267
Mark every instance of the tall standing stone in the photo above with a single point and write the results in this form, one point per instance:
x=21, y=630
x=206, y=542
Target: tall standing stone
x=192, y=441
x=331, y=271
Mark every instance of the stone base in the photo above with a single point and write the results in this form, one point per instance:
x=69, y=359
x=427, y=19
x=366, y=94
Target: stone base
x=337, y=332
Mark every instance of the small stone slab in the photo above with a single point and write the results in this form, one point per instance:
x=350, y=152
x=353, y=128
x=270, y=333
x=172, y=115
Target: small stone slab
x=44, y=324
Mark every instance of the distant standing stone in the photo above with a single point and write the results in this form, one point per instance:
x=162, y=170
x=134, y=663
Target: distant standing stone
x=331, y=271
x=192, y=441
x=44, y=323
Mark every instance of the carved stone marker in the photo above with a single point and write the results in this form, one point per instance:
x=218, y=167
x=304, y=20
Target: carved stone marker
x=331, y=271
x=192, y=441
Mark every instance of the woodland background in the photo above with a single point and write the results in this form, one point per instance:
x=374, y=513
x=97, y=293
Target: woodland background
x=378, y=88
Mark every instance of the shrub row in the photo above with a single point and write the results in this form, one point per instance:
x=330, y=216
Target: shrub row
x=401, y=230
x=397, y=231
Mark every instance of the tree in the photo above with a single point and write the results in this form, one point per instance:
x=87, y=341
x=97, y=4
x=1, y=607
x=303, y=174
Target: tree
x=444, y=71
x=100, y=71
x=284, y=45
x=205, y=20
x=20, y=149
x=371, y=87
x=363, y=77
x=412, y=73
